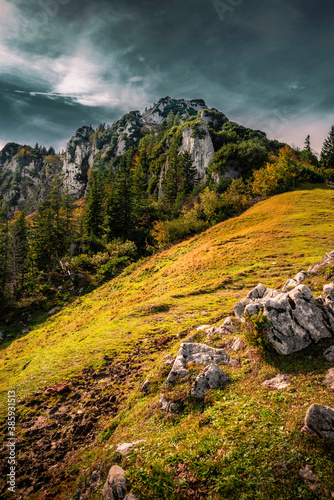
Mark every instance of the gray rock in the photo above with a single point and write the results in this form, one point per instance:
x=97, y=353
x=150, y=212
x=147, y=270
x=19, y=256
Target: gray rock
x=124, y=448
x=211, y=378
x=297, y=280
x=227, y=327
x=326, y=261
x=145, y=386
x=169, y=359
x=203, y=327
x=115, y=485
x=237, y=344
x=320, y=420
x=281, y=381
x=168, y=405
x=329, y=354
x=2, y=337
x=130, y=496
x=257, y=297
x=329, y=379
x=214, y=330
x=295, y=317
x=199, y=354
x=53, y=311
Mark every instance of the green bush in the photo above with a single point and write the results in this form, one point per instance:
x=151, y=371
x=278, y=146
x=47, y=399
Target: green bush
x=256, y=329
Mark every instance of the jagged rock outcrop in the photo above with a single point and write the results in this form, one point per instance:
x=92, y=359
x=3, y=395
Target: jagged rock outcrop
x=156, y=115
x=211, y=378
x=199, y=354
x=199, y=143
x=295, y=317
x=320, y=420
x=26, y=173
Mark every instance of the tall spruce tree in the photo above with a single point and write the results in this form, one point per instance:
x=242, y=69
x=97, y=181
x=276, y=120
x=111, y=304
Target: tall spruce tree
x=4, y=248
x=121, y=203
x=327, y=152
x=94, y=212
x=19, y=249
x=51, y=239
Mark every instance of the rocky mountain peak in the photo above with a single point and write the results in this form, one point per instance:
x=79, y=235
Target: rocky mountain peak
x=159, y=111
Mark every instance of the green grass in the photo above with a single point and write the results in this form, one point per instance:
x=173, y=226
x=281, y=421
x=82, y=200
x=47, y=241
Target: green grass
x=236, y=444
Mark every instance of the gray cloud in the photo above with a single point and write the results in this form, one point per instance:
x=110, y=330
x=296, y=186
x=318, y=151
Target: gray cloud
x=64, y=63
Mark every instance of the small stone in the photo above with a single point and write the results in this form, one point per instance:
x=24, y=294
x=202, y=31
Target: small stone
x=115, y=485
x=308, y=474
x=26, y=330
x=130, y=496
x=329, y=354
x=227, y=327
x=237, y=344
x=329, y=379
x=124, y=448
x=2, y=336
x=320, y=420
x=203, y=327
x=168, y=405
x=214, y=330
x=57, y=389
x=145, y=386
x=169, y=359
x=281, y=381
x=211, y=378
x=53, y=311
x=297, y=280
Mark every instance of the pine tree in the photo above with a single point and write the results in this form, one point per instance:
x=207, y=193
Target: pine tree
x=94, y=213
x=19, y=249
x=188, y=173
x=52, y=235
x=307, y=144
x=4, y=248
x=120, y=208
x=327, y=152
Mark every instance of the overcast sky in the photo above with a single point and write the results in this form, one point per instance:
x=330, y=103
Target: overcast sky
x=265, y=64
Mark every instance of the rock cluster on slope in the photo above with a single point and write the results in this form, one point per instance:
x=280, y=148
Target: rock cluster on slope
x=295, y=316
x=193, y=353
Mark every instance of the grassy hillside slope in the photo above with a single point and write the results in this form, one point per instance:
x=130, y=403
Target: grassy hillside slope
x=245, y=442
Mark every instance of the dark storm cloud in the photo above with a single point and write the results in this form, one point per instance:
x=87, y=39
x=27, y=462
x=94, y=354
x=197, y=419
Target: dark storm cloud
x=265, y=64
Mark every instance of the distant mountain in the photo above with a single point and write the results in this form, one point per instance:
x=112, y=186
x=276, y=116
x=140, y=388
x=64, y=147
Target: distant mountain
x=26, y=172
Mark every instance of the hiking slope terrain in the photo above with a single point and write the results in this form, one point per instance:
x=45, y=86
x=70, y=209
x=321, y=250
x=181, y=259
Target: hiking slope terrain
x=233, y=445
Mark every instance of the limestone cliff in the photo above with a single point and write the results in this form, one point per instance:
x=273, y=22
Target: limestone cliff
x=26, y=172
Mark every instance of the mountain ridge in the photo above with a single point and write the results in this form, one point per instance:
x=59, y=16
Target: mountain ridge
x=26, y=173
